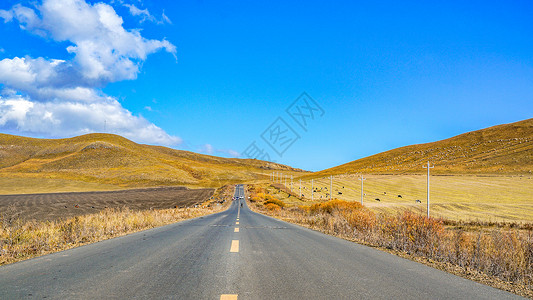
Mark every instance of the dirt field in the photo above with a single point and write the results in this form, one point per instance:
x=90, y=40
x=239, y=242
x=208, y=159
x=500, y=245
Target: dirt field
x=54, y=206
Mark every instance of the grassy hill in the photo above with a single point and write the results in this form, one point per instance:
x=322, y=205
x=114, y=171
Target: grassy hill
x=502, y=149
x=108, y=159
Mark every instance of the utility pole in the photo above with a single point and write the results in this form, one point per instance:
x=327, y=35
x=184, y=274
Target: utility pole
x=330, y=186
x=312, y=189
x=362, y=179
x=291, y=183
x=428, y=167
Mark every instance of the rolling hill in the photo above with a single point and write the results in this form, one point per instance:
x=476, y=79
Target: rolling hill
x=502, y=149
x=112, y=159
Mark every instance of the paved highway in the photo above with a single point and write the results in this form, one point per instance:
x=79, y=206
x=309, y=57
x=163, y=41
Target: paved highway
x=235, y=254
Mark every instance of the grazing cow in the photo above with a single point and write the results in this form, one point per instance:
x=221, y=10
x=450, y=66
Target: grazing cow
x=92, y=206
x=418, y=201
x=384, y=193
x=339, y=193
x=377, y=199
x=399, y=196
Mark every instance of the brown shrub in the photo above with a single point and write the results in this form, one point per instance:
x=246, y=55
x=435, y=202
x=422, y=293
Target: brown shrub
x=275, y=201
x=272, y=206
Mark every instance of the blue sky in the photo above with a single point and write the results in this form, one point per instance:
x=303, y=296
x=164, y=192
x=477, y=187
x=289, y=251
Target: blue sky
x=213, y=76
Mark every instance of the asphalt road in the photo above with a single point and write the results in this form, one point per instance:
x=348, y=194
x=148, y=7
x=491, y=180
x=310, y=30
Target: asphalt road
x=208, y=258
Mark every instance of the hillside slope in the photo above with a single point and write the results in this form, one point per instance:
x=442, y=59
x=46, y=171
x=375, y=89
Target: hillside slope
x=502, y=149
x=112, y=159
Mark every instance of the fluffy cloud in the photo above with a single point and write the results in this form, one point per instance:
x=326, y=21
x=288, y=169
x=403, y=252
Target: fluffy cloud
x=61, y=118
x=104, y=50
x=59, y=97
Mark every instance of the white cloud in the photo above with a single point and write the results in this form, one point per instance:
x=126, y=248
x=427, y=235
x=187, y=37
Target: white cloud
x=59, y=97
x=209, y=149
x=104, y=51
x=165, y=19
x=7, y=15
x=233, y=153
x=144, y=13
x=146, y=16
x=75, y=118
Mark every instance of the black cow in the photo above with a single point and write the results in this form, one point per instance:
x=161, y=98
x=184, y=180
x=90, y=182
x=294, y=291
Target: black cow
x=399, y=196
x=377, y=199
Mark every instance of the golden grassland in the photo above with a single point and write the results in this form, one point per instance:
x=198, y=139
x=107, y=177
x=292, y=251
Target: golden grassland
x=21, y=240
x=501, y=257
x=502, y=149
x=455, y=197
x=108, y=160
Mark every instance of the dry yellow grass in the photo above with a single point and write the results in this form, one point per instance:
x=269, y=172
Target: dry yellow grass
x=107, y=160
x=499, y=256
x=465, y=198
x=19, y=241
x=502, y=149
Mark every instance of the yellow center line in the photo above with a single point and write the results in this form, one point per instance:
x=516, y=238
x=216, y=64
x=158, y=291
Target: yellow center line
x=236, y=229
x=237, y=223
x=228, y=297
x=234, y=246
